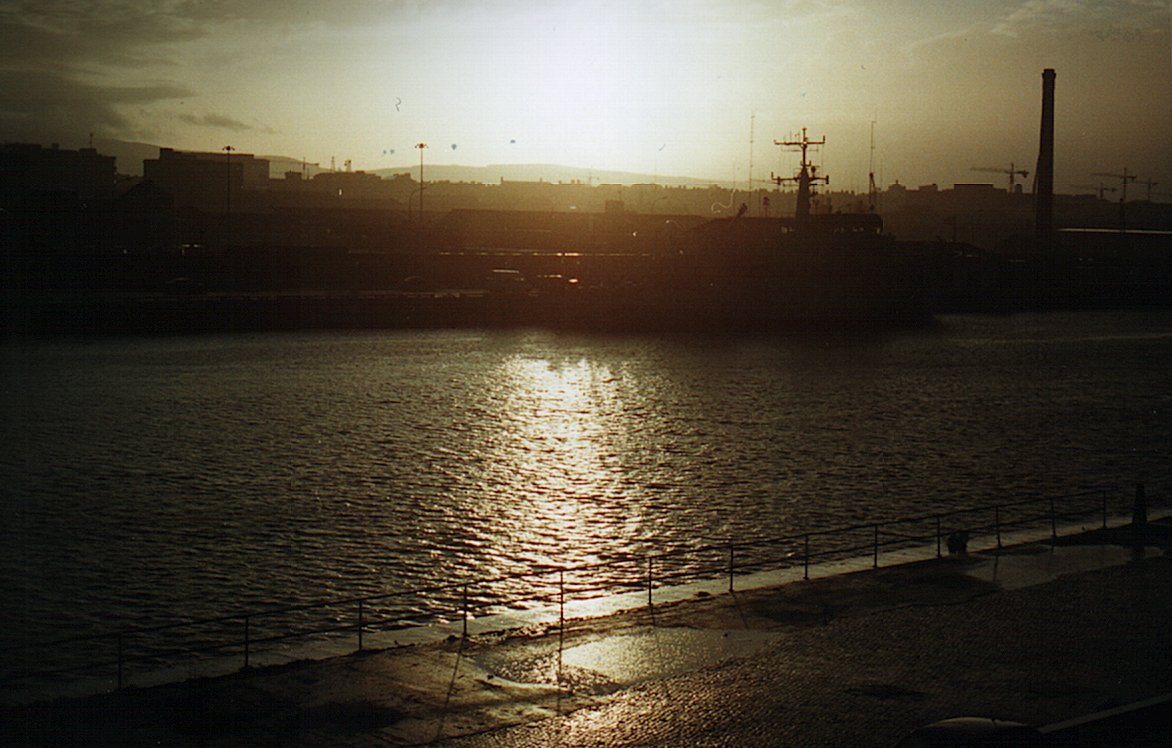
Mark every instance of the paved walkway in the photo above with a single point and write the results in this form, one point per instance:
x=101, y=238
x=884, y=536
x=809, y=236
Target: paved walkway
x=1036, y=655
x=859, y=659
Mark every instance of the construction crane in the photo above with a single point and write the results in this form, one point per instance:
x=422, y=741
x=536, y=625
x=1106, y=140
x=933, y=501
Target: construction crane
x=1124, y=178
x=1149, y=183
x=1100, y=188
x=1012, y=171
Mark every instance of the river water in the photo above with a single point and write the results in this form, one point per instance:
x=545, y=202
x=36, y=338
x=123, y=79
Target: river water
x=147, y=480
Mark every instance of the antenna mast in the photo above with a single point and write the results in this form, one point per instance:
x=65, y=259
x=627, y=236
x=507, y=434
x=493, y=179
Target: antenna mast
x=807, y=174
x=872, y=190
x=752, y=192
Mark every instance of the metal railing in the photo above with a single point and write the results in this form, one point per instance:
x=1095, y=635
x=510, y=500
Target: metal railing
x=240, y=636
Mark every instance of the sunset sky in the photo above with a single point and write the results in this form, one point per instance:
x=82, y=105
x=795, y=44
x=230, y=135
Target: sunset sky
x=660, y=87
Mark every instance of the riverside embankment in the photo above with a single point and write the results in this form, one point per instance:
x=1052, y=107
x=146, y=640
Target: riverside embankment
x=1030, y=633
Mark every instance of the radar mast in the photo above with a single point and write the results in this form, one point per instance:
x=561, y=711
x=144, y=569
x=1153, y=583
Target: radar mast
x=807, y=175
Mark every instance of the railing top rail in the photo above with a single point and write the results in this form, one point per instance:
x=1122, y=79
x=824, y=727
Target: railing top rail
x=545, y=570
x=1095, y=492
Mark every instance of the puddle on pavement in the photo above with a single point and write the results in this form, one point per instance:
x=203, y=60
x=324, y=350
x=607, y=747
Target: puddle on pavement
x=637, y=656
x=1024, y=566
x=620, y=660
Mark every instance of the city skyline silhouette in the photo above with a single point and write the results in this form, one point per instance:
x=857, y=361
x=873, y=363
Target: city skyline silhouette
x=681, y=89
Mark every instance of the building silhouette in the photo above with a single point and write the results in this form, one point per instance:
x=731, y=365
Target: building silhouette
x=208, y=181
x=27, y=169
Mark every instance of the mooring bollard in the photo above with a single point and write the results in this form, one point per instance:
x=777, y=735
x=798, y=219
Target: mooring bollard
x=875, y=560
x=1053, y=520
x=1139, y=510
x=359, y=624
x=938, y=536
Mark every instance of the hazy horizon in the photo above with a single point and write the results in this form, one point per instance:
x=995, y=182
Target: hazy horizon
x=129, y=154
x=675, y=89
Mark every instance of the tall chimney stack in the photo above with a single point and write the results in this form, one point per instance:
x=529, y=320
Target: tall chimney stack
x=1044, y=194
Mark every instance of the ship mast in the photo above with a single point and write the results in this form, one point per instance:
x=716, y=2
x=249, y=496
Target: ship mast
x=807, y=174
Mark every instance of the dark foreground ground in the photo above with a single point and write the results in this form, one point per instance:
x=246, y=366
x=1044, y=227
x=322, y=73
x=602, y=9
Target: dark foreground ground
x=854, y=660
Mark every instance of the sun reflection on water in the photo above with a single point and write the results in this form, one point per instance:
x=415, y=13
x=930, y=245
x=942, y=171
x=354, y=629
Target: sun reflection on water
x=562, y=419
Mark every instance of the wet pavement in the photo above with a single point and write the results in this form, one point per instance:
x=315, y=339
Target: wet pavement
x=1035, y=634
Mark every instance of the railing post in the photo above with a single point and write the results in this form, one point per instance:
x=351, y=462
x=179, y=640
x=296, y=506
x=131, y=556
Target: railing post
x=806, y=559
x=247, y=640
x=1053, y=520
x=730, y=565
x=360, y=624
x=649, y=582
x=561, y=620
x=465, y=611
x=875, y=560
x=1103, y=494
x=938, y=554
x=997, y=524
x=119, y=660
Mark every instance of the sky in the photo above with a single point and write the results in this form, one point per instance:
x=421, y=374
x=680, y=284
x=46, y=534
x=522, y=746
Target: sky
x=662, y=87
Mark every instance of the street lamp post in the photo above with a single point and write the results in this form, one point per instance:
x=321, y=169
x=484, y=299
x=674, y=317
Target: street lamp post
x=421, y=146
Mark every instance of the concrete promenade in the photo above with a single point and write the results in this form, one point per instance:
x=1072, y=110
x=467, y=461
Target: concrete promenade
x=859, y=659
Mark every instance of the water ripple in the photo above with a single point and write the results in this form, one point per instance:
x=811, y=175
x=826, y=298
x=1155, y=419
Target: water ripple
x=157, y=479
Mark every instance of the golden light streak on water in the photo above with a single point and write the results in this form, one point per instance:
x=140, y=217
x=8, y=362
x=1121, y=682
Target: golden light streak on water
x=565, y=415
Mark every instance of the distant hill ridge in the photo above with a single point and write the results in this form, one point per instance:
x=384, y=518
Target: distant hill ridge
x=494, y=173
x=130, y=156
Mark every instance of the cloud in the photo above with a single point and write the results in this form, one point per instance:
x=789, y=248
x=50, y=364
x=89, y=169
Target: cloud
x=41, y=105
x=297, y=12
x=219, y=121
x=1122, y=18
x=103, y=24
x=102, y=65
x=87, y=35
x=67, y=69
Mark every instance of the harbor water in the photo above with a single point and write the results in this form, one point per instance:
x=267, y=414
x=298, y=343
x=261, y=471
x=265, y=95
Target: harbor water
x=147, y=480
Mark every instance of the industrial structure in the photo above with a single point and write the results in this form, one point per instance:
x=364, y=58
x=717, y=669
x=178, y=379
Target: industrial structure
x=1044, y=175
